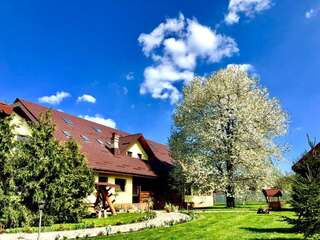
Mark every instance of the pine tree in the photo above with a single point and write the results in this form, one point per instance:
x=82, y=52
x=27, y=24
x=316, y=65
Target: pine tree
x=12, y=212
x=306, y=194
x=53, y=173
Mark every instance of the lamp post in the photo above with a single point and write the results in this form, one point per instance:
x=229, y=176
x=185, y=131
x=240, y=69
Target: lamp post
x=41, y=207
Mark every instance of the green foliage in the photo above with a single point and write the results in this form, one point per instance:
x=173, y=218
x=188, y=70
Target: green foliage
x=54, y=173
x=284, y=183
x=171, y=207
x=40, y=169
x=12, y=213
x=306, y=195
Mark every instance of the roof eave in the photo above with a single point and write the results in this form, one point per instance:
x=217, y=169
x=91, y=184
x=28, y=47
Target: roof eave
x=97, y=170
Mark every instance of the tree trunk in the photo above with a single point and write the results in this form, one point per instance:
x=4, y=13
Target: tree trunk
x=230, y=199
x=230, y=202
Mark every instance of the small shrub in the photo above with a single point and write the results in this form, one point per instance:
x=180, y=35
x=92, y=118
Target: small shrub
x=171, y=207
x=28, y=229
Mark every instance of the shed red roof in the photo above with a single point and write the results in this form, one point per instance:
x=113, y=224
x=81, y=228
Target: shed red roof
x=272, y=192
x=100, y=158
x=6, y=109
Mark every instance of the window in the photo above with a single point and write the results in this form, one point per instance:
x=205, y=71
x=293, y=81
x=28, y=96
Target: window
x=102, y=179
x=68, y=121
x=121, y=184
x=100, y=141
x=67, y=134
x=84, y=138
x=129, y=154
x=139, y=155
x=98, y=130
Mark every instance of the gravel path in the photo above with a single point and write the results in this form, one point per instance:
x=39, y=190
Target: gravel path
x=162, y=219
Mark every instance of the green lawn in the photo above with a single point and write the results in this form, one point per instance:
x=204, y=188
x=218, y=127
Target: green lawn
x=222, y=225
x=120, y=218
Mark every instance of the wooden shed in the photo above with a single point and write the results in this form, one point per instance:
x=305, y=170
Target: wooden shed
x=272, y=196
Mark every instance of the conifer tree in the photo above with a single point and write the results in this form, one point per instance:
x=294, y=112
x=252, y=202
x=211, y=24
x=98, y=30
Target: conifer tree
x=306, y=194
x=12, y=212
x=53, y=173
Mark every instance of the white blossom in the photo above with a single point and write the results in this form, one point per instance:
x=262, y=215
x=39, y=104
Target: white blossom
x=225, y=131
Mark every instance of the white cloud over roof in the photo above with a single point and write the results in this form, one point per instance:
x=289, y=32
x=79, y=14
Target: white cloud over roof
x=175, y=46
x=100, y=119
x=87, y=98
x=54, y=99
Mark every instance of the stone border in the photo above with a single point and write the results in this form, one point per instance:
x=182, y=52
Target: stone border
x=162, y=219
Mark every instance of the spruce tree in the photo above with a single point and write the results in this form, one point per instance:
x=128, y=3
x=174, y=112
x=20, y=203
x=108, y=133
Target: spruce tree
x=306, y=195
x=53, y=173
x=12, y=212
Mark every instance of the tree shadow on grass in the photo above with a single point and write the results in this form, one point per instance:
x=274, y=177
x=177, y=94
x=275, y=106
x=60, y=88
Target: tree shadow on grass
x=272, y=230
x=276, y=238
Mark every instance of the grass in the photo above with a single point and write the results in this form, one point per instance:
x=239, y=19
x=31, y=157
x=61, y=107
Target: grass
x=222, y=225
x=120, y=218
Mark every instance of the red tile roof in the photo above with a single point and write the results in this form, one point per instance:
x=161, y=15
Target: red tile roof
x=100, y=158
x=6, y=109
x=297, y=167
x=126, y=141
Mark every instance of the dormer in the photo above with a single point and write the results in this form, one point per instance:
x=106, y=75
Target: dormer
x=135, y=146
x=135, y=150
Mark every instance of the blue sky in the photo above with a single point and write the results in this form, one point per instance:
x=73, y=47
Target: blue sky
x=93, y=47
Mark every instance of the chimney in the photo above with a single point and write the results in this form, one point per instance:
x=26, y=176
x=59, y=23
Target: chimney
x=115, y=143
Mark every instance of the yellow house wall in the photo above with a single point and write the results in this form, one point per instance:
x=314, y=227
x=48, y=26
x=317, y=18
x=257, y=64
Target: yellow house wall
x=120, y=197
x=200, y=201
x=21, y=125
x=136, y=149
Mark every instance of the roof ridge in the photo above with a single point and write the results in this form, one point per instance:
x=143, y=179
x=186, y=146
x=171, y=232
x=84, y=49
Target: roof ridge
x=68, y=114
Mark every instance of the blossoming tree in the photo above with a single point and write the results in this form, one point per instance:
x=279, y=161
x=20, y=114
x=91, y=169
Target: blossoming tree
x=224, y=134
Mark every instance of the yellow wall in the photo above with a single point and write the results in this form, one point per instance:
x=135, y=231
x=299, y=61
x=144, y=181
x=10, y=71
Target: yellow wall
x=136, y=149
x=200, y=200
x=21, y=125
x=120, y=197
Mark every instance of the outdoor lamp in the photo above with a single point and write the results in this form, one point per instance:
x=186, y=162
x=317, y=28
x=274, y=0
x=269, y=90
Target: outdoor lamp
x=41, y=207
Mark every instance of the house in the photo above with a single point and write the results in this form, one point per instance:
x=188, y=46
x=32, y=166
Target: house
x=139, y=167
x=299, y=166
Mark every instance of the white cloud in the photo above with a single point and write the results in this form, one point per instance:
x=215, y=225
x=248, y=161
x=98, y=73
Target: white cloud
x=54, y=99
x=130, y=76
x=87, y=98
x=250, y=69
x=244, y=67
x=175, y=46
x=247, y=7
x=154, y=39
x=100, y=119
x=312, y=13
x=125, y=90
